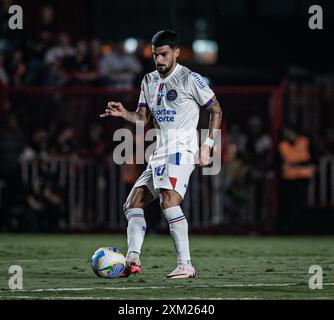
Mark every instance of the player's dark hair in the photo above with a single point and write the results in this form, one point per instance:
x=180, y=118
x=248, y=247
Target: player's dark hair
x=165, y=38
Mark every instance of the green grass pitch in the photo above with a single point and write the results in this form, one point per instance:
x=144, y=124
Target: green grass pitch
x=229, y=267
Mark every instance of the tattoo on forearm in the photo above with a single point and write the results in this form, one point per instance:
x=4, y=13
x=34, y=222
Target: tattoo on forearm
x=215, y=118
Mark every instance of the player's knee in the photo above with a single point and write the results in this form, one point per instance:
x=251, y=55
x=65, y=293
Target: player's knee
x=167, y=200
x=165, y=204
x=132, y=204
x=139, y=198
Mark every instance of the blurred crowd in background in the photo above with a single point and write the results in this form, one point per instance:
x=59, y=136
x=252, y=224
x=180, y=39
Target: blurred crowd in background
x=49, y=58
x=251, y=161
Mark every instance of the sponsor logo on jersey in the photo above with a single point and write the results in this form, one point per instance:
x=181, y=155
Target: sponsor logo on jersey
x=160, y=93
x=159, y=171
x=164, y=115
x=171, y=95
x=199, y=81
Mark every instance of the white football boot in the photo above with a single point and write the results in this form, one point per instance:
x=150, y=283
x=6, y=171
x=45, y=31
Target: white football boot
x=182, y=271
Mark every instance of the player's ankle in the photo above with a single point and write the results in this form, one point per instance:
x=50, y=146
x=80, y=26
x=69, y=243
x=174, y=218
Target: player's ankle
x=132, y=255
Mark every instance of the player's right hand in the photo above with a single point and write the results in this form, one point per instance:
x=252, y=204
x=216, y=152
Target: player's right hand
x=114, y=109
x=202, y=157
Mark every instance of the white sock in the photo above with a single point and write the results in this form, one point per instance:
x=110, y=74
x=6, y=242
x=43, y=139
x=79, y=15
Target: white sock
x=135, y=231
x=178, y=227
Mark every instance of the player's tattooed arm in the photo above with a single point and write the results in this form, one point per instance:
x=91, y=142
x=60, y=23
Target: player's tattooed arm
x=203, y=155
x=116, y=109
x=216, y=116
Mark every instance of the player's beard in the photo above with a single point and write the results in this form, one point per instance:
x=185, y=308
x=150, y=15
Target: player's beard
x=164, y=69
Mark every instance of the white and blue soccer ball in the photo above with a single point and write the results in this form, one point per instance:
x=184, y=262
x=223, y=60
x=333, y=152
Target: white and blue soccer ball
x=108, y=262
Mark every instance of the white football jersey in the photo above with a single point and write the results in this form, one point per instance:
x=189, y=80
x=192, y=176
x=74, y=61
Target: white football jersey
x=174, y=103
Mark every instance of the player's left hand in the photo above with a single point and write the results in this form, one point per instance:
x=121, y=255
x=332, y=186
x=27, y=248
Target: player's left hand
x=202, y=157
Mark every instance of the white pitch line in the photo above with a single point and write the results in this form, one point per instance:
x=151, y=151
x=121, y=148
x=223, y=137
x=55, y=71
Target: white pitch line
x=163, y=287
x=154, y=287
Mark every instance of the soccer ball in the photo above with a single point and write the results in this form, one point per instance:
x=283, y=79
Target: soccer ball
x=108, y=262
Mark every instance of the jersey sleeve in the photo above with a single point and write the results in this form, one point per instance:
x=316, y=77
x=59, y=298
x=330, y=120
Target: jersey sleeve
x=142, y=103
x=199, y=90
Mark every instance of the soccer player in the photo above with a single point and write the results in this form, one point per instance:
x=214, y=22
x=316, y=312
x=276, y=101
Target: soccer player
x=173, y=95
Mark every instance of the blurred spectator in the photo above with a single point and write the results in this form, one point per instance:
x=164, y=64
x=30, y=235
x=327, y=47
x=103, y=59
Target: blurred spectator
x=258, y=148
x=45, y=35
x=55, y=76
x=81, y=66
x=82, y=60
x=64, y=141
x=62, y=50
x=295, y=159
x=38, y=146
x=236, y=170
x=95, y=49
x=5, y=45
x=97, y=146
x=4, y=79
x=237, y=137
x=46, y=25
x=44, y=202
x=18, y=68
x=11, y=145
x=117, y=68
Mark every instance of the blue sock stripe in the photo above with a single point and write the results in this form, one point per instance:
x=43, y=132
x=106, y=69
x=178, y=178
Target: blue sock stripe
x=175, y=221
x=136, y=215
x=171, y=220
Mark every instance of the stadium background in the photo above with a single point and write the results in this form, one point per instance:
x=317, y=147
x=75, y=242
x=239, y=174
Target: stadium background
x=270, y=72
x=266, y=66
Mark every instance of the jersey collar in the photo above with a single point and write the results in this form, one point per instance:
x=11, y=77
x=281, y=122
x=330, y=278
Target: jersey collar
x=176, y=69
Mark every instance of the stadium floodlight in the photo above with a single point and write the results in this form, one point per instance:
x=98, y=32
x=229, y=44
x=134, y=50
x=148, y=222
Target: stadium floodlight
x=206, y=51
x=130, y=45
